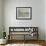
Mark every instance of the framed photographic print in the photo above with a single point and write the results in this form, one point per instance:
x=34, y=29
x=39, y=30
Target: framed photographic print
x=24, y=13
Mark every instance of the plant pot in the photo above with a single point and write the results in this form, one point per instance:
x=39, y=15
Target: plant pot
x=3, y=41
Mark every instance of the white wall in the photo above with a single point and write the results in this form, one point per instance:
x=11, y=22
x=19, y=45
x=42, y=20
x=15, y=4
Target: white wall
x=0, y=18
x=38, y=15
x=0, y=13
x=45, y=19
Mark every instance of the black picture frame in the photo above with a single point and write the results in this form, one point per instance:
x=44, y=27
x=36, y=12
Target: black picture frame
x=24, y=13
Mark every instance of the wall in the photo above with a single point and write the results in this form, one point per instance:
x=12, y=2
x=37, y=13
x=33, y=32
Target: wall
x=0, y=18
x=45, y=19
x=38, y=15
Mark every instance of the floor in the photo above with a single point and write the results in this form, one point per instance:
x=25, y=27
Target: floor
x=25, y=43
x=21, y=45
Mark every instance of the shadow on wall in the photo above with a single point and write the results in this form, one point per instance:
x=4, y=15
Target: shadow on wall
x=1, y=34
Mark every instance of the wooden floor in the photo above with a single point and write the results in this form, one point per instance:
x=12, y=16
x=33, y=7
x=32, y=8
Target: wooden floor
x=40, y=42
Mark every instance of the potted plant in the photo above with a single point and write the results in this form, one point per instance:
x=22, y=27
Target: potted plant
x=2, y=37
